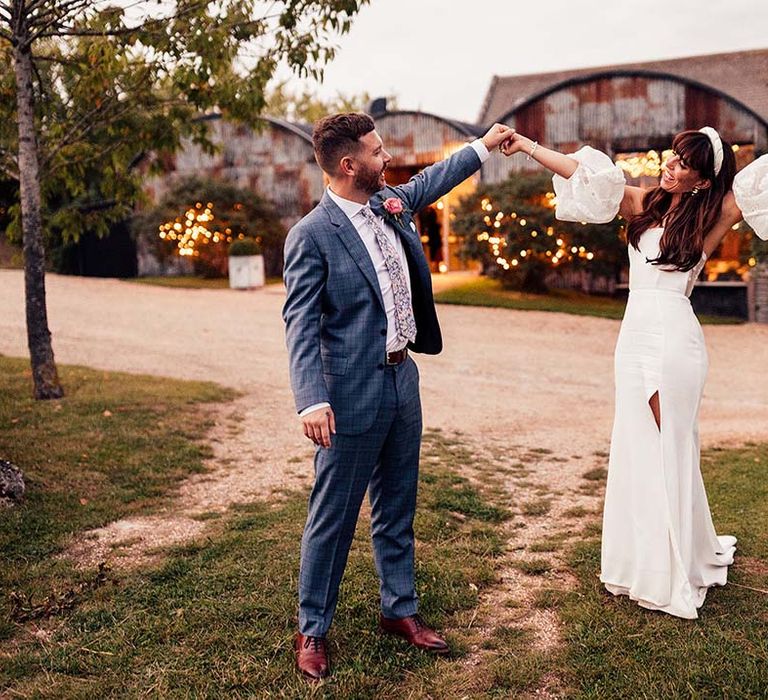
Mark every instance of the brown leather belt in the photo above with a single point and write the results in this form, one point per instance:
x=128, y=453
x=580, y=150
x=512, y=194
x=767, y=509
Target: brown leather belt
x=397, y=357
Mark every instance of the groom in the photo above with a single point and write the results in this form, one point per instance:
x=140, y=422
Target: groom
x=359, y=301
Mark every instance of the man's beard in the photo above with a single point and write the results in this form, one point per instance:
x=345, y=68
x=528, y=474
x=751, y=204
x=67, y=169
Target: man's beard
x=368, y=180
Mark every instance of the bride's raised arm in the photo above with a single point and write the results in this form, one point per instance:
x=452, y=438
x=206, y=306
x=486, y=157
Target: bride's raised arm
x=589, y=186
x=748, y=201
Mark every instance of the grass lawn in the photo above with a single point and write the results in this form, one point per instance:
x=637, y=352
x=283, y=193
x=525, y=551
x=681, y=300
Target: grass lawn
x=191, y=282
x=116, y=445
x=616, y=650
x=218, y=617
x=484, y=291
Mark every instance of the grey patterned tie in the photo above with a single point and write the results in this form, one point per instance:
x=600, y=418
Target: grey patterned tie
x=405, y=324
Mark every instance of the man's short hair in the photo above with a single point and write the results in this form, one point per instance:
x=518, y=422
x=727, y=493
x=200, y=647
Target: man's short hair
x=338, y=135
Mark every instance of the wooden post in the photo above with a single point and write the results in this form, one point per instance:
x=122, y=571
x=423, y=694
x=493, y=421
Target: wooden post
x=446, y=231
x=761, y=292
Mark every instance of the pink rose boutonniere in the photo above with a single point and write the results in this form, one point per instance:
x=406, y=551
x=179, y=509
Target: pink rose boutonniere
x=394, y=207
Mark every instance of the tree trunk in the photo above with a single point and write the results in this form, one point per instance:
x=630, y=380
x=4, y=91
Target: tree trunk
x=44, y=373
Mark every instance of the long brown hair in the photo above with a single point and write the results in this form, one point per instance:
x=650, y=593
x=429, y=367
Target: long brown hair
x=686, y=225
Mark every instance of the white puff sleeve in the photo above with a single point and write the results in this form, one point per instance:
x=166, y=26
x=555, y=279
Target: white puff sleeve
x=594, y=192
x=750, y=188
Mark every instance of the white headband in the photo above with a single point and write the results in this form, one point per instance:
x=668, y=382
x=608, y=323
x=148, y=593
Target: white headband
x=717, y=146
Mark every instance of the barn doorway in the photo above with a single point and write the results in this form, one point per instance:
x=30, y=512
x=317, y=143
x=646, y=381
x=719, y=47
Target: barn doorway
x=429, y=221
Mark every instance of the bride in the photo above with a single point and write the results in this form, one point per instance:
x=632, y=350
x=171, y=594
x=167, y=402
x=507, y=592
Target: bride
x=659, y=545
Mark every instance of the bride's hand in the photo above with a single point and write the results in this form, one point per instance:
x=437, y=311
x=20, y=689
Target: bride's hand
x=514, y=144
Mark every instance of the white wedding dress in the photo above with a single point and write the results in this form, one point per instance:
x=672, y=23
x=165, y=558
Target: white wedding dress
x=659, y=545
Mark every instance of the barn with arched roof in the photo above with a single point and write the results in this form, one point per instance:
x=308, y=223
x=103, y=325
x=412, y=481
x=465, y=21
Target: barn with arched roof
x=628, y=111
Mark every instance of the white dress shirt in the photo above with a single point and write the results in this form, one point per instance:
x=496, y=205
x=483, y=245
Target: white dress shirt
x=353, y=210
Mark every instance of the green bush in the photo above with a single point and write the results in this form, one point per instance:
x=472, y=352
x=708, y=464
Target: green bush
x=511, y=229
x=243, y=247
x=232, y=216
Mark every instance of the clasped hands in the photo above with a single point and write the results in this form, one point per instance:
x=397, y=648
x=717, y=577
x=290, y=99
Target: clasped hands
x=506, y=139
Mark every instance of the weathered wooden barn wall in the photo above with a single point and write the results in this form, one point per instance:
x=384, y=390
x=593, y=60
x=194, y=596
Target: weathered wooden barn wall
x=624, y=113
x=615, y=110
x=276, y=162
x=760, y=282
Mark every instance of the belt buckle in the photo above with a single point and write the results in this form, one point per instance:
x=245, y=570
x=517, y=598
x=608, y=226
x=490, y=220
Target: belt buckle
x=403, y=354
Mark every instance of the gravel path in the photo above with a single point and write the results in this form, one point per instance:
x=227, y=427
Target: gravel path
x=537, y=380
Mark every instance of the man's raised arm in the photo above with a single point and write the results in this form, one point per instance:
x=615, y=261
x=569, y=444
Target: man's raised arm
x=439, y=179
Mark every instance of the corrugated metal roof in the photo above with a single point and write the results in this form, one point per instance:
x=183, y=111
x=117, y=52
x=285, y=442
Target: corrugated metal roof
x=624, y=113
x=420, y=138
x=464, y=128
x=742, y=75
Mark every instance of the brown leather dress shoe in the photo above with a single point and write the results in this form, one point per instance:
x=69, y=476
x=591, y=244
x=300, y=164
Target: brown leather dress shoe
x=312, y=657
x=415, y=631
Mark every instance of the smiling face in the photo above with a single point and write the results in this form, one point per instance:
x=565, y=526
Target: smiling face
x=369, y=164
x=690, y=166
x=679, y=177
x=687, y=218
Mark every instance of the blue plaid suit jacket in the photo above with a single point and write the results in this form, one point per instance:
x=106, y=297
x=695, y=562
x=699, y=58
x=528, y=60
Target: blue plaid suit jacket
x=334, y=315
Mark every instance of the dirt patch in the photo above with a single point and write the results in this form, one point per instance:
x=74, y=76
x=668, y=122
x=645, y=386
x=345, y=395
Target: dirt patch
x=242, y=469
x=552, y=498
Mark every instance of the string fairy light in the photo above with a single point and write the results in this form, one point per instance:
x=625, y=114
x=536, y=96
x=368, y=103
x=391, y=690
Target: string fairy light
x=194, y=229
x=497, y=241
x=191, y=231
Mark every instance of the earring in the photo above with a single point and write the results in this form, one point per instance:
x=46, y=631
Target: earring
x=694, y=191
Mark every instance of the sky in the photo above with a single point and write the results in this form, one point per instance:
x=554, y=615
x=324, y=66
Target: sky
x=440, y=55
